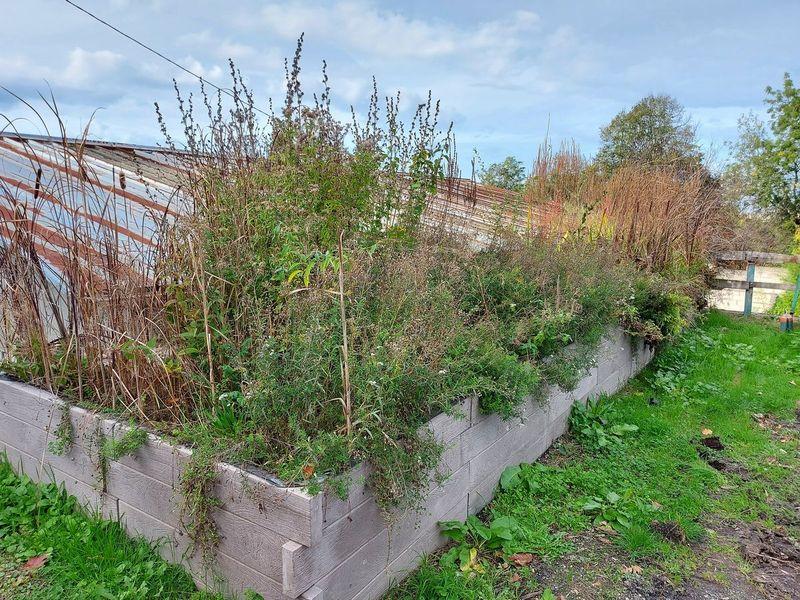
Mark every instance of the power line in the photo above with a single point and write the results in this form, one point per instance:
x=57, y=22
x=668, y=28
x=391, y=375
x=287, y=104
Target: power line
x=156, y=52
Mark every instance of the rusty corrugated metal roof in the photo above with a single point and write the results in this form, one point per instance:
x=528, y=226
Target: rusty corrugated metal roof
x=100, y=191
x=95, y=190
x=481, y=210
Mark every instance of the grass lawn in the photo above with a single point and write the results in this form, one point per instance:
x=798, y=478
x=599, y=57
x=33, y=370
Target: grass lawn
x=685, y=484
x=51, y=549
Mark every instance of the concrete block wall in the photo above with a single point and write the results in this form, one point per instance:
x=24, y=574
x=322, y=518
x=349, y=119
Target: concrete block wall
x=142, y=491
x=280, y=541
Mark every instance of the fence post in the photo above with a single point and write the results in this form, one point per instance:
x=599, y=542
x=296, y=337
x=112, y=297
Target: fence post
x=748, y=293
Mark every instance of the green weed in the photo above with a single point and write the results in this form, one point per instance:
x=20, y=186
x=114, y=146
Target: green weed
x=594, y=423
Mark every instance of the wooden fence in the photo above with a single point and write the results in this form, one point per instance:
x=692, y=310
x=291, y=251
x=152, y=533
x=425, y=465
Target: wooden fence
x=749, y=284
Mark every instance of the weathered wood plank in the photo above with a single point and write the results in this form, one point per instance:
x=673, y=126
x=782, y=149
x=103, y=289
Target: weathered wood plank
x=446, y=427
x=739, y=284
x=756, y=257
x=30, y=405
x=144, y=493
x=238, y=576
x=334, y=508
x=87, y=495
x=428, y=541
x=155, y=458
x=482, y=491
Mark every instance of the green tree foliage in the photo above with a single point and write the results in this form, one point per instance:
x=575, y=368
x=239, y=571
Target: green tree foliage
x=777, y=165
x=655, y=131
x=764, y=171
x=738, y=180
x=509, y=174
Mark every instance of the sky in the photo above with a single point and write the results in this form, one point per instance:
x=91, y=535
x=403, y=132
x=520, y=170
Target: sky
x=507, y=72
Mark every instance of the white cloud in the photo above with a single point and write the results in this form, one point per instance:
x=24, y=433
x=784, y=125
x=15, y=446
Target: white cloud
x=389, y=34
x=235, y=50
x=85, y=67
x=211, y=73
x=363, y=27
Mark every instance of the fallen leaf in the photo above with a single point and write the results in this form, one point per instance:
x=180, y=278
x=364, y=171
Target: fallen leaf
x=515, y=578
x=36, y=562
x=605, y=527
x=706, y=432
x=308, y=470
x=634, y=569
x=521, y=559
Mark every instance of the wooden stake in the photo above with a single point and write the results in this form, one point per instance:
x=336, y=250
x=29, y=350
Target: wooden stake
x=345, y=356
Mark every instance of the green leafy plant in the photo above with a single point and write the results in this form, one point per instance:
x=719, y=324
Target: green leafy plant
x=198, y=502
x=81, y=556
x=619, y=512
x=473, y=536
x=593, y=424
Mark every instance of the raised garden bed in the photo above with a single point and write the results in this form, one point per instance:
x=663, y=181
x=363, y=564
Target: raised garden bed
x=280, y=541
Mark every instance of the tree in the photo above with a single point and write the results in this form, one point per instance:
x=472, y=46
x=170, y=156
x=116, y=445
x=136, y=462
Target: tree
x=777, y=165
x=509, y=174
x=655, y=131
x=739, y=176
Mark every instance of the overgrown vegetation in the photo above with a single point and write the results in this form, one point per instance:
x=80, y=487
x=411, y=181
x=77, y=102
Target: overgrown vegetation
x=49, y=549
x=304, y=308
x=708, y=445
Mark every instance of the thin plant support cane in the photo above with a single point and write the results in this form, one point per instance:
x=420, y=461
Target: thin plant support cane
x=345, y=357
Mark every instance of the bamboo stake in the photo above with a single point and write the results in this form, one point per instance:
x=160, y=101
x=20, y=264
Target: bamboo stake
x=345, y=355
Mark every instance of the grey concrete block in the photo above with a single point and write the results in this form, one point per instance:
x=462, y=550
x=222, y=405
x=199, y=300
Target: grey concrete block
x=446, y=427
x=155, y=458
x=75, y=462
x=427, y=542
x=358, y=548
